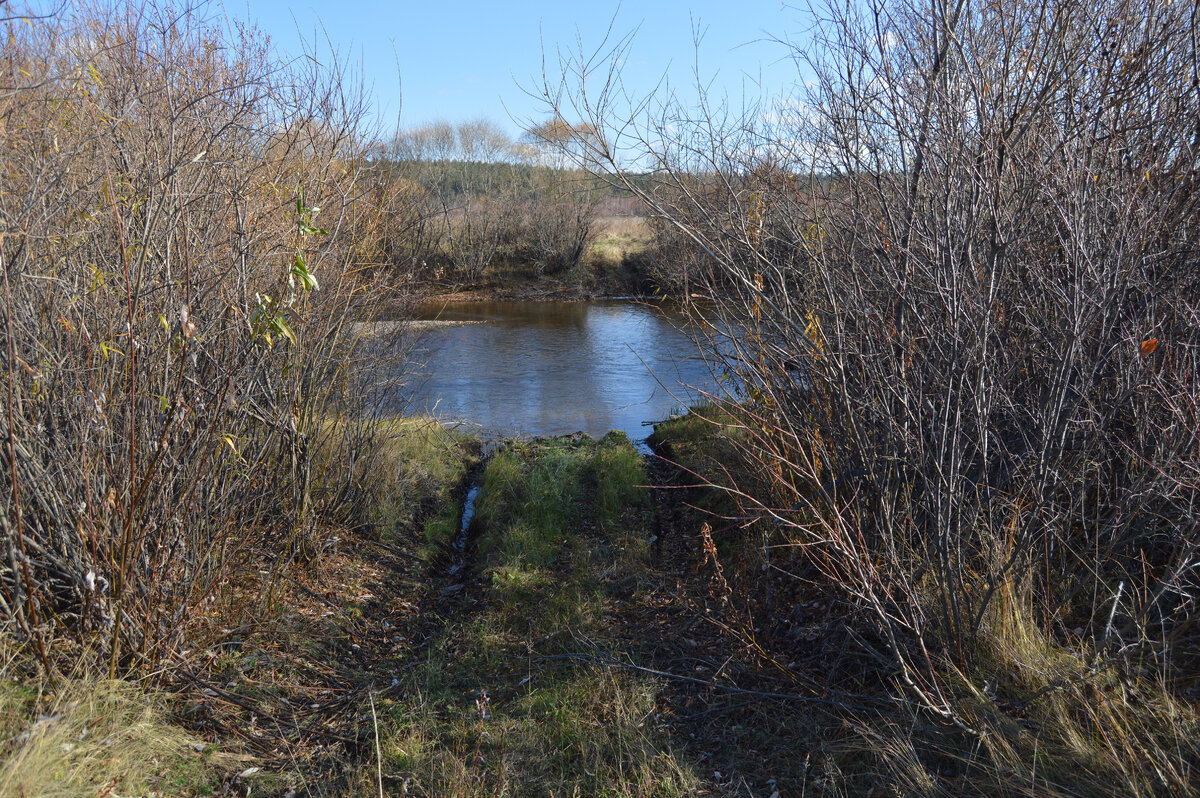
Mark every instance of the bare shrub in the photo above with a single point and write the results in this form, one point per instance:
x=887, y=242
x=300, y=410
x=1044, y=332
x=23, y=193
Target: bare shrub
x=551, y=231
x=960, y=275
x=179, y=269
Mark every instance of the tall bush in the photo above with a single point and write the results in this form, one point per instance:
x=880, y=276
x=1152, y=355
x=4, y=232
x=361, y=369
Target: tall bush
x=960, y=271
x=179, y=264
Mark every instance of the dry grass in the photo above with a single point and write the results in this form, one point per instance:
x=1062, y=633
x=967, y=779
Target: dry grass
x=616, y=238
x=284, y=685
x=94, y=737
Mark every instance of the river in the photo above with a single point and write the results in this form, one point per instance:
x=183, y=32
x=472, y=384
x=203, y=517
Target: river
x=554, y=368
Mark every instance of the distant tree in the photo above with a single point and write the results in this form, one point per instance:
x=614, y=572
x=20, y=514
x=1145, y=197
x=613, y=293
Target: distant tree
x=488, y=199
x=561, y=144
x=484, y=141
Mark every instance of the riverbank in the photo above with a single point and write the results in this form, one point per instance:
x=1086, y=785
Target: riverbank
x=575, y=641
x=605, y=622
x=615, y=264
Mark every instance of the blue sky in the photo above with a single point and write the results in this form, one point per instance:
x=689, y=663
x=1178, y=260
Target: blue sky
x=460, y=60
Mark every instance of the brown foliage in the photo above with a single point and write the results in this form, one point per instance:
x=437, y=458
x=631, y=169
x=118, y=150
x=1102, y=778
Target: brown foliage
x=171, y=199
x=959, y=289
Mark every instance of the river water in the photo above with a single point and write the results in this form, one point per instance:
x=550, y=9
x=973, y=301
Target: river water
x=554, y=368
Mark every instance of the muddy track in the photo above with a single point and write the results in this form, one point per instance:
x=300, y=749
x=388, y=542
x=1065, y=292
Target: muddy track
x=666, y=620
x=451, y=576
x=729, y=712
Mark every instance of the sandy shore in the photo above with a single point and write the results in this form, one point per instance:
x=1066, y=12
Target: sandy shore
x=385, y=327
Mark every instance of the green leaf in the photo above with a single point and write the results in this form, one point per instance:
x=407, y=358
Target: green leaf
x=300, y=269
x=280, y=325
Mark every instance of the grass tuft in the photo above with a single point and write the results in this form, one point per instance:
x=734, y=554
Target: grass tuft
x=98, y=737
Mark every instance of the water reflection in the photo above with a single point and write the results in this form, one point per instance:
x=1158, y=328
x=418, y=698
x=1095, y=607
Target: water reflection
x=552, y=368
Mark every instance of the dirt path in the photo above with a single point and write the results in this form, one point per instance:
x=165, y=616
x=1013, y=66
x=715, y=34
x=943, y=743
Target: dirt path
x=581, y=639
x=586, y=647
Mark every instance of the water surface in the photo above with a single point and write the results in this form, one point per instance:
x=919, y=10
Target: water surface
x=554, y=368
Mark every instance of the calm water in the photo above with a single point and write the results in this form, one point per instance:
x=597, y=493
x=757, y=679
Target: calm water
x=553, y=368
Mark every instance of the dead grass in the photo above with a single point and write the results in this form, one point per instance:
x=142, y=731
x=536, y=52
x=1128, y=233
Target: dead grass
x=616, y=238
x=90, y=736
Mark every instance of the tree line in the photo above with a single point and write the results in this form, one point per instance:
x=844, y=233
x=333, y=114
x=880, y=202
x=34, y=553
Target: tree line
x=470, y=198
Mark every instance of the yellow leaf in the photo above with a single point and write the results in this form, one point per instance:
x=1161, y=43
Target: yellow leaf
x=229, y=442
x=813, y=331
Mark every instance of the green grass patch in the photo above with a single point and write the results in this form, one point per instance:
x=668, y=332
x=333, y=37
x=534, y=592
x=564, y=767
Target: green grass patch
x=618, y=474
x=707, y=443
x=704, y=435
x=549, y=509
x=494, y=709
x=406, y=473
x=429, y=464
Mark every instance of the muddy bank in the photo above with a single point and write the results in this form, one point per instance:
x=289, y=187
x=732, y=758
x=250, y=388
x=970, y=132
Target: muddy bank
x=374, y=328
x=527, y=293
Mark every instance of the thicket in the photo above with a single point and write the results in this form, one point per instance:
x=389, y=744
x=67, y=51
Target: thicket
x=184, y=225
x=959, y=283
x=480, y=200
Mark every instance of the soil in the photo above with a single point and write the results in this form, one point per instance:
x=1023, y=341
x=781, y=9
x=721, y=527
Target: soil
x=292, y=687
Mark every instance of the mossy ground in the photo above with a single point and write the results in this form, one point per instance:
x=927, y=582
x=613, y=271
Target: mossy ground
x=515, y=697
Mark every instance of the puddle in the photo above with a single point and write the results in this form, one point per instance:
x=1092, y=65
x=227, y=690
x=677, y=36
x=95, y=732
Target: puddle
x=464, y=527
